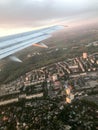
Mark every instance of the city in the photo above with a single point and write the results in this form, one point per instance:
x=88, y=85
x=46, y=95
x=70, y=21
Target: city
x=61, y=84
x=48, y=64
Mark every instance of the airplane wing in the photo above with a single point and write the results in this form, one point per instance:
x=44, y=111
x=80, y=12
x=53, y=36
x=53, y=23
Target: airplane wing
x=14, y=43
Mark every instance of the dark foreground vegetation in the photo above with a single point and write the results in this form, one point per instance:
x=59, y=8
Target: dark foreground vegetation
x=49, y=114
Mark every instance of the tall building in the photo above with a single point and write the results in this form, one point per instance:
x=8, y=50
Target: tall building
x=84, y=55
x=54, y=77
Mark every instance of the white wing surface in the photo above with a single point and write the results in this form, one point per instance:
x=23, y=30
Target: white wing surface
x=14, y=43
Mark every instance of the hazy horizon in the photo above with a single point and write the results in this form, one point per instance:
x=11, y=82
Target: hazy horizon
x=19, y=16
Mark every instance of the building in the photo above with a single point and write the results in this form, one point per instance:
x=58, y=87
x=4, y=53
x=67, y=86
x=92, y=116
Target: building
x=54, y=77
x=85, y=55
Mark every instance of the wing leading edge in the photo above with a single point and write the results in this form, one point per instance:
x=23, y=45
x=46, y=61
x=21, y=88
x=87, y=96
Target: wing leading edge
x=14, y=43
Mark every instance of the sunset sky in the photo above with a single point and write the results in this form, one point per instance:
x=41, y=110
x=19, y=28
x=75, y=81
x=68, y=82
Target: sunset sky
x=23, y=15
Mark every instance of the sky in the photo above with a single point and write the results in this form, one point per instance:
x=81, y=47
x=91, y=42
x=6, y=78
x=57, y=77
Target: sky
x=22, y=15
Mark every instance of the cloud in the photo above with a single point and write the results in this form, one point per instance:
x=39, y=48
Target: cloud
x=30, y=13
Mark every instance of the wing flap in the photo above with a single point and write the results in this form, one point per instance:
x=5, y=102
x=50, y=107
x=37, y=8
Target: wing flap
x=14, y=58
x=40, y=45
